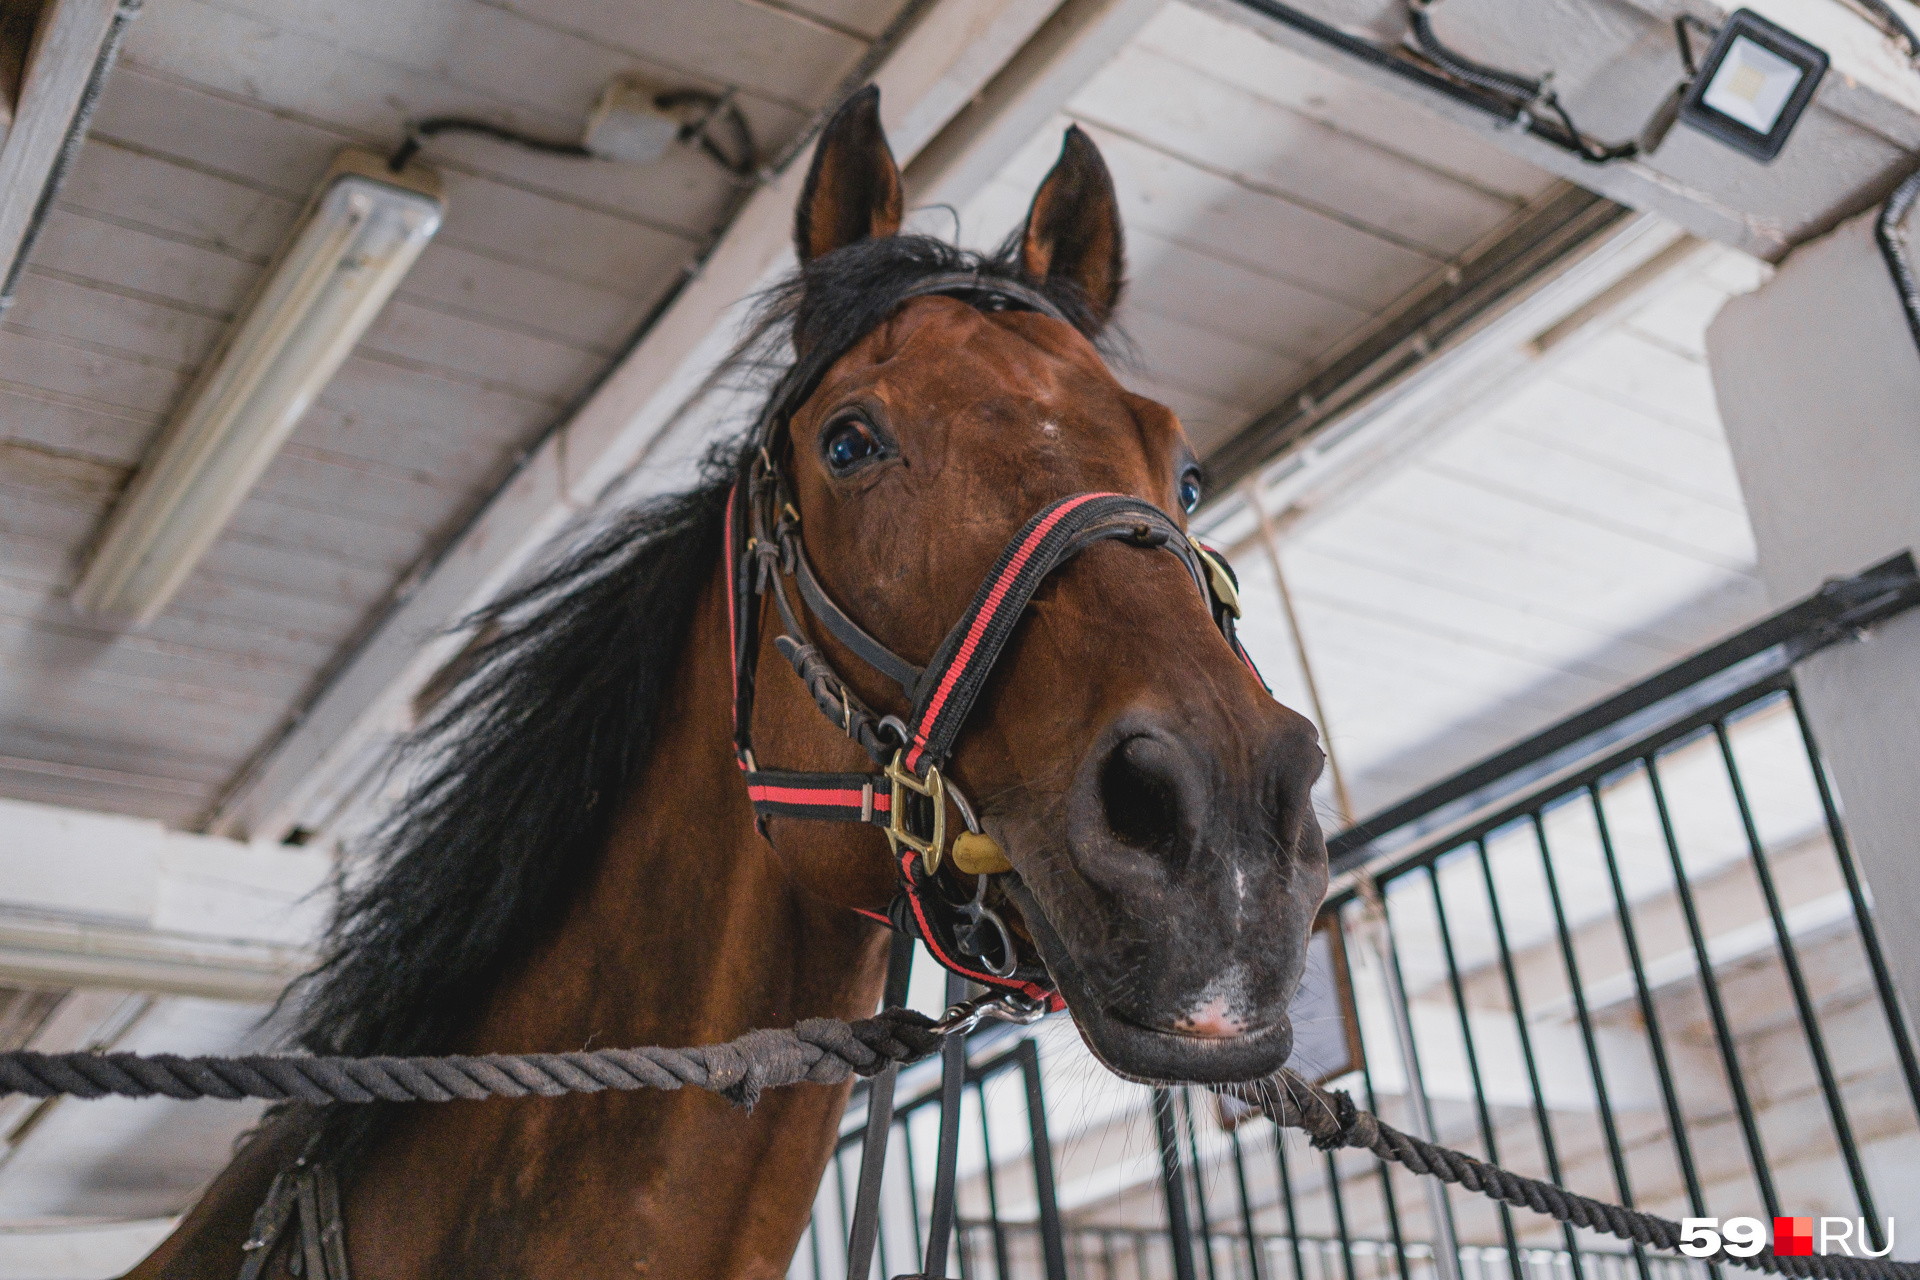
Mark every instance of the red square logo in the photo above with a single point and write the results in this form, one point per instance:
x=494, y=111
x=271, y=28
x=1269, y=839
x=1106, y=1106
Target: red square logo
x=1793, y=1237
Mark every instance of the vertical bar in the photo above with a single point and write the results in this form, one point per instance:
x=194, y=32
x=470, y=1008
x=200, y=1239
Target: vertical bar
x=1542, y=1121
x=1676, y=1121
x=840, y=1187
x=1185, y=1114
x=1802, y=1000
x=1616, y=1154
x=1862, y=916
x=1286, y=1199
x=873, y=1166
x=1446, y=1244
x=1179, y=1233
x=1386, y=1175
x=1001, y=1271
x=813, y=1246
x=913, y=1186
x=1481, y=1110
x=1246, y=1207
x=1052, y=1248
x=953, y=1074
x=1339, y=1217
x=873, y=1150
x=1716, y=1009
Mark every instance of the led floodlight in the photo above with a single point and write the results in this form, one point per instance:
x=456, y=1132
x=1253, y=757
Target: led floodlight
x=1753, y=84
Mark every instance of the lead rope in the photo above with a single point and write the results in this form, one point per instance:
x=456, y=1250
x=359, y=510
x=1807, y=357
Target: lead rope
x=823, y=1051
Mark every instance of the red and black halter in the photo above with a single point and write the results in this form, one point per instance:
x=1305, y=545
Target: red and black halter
x=907, y=798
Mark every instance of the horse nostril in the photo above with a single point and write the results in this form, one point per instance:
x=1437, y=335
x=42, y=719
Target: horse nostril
x=1141, y=796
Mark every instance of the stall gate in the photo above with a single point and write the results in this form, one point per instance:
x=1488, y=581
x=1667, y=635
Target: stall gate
x=1651, y=975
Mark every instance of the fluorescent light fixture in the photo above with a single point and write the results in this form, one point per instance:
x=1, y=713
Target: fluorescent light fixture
x=1753, y=84
x=353, y=245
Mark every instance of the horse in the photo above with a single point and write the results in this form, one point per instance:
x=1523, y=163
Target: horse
x=579, y=863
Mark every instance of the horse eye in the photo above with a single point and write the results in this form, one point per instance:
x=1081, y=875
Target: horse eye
x=1190, y=492
x=849, y=443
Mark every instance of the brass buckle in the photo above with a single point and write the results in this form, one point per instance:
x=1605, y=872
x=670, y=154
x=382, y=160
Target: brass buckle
x=1221, y=580
x=935, y=790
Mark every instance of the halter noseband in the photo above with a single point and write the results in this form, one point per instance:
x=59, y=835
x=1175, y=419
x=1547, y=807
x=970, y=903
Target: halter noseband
x=907, y=798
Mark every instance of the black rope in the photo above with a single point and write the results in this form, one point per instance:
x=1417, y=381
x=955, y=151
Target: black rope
x=818, y=1051
x=824, y=1051
x=1331, y=1120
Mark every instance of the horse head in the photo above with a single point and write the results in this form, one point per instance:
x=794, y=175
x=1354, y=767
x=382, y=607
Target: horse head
x=1152, y=798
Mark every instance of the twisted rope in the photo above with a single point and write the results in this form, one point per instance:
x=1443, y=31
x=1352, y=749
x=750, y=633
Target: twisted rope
x=1331, y=1120
x=821, y=1051
x=818, y=1051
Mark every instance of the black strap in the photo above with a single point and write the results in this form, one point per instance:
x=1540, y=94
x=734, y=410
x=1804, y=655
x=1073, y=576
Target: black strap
x=824, y=797
x=870, y=651
x=953, y=1075
x=965, y=659
x=873, y=1146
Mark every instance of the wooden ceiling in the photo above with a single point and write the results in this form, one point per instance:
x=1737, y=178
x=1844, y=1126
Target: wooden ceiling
x=1277, y=213
x=213, y=130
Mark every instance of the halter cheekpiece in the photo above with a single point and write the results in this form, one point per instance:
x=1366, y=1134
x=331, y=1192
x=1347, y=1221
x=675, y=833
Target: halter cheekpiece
x=907, y=798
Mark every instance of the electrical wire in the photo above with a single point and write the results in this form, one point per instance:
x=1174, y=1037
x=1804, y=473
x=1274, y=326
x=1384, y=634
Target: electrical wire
x=1463, y=67
x=741, y=161
x=1890, y=231
x=420, y=131
x=1510, y=103
x=1890, y=21
x=1531, y=93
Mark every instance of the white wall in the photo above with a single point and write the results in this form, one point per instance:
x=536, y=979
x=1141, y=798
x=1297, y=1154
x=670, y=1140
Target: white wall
x=1819, y=387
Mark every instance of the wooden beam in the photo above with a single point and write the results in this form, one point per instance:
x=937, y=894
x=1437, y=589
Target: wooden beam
x=102, y=900
x=951, y=57
x=1079, y=39
x=18, y=21
x=60, y=64
x=63, y=954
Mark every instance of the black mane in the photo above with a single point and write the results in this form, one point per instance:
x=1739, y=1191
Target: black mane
x=554, y=713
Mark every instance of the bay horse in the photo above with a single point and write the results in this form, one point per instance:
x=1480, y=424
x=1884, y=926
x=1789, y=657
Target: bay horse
x=580, y=863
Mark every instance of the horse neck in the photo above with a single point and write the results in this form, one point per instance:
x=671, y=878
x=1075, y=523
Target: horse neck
x=687, y=931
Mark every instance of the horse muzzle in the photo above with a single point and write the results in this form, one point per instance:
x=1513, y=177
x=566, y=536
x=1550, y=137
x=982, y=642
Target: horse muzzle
x=1182, y=1051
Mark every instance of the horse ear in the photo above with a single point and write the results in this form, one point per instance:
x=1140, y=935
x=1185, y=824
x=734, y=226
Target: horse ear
x=1073, y=230
x=853, y=189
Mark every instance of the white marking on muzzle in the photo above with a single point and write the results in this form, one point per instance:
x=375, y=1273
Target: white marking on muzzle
x=1218, y=1013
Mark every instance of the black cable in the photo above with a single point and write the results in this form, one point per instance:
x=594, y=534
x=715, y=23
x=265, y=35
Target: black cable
x=1463, y=67
x=1529, y=93
x=744, y=158
x=419, y=131
x=741, y=161
x=1894, y=25
x=1510, y=108
x=1891, y=233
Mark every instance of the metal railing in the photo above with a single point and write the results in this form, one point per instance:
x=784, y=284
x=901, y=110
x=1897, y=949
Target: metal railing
x=1632, y=955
